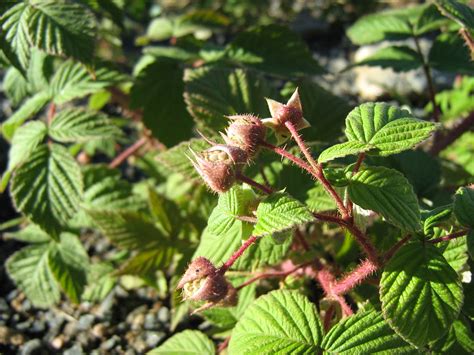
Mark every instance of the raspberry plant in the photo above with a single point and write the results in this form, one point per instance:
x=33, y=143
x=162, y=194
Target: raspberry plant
x=225, y=177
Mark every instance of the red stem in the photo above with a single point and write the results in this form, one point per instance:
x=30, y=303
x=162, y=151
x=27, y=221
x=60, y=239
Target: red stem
x=253, y=183
x=128, y=152
x=355, y=277
x=280, y=151
x=327, y=318
x=459, y=128
x=233, y=258
x=223, y=345
x=302, y=240
x=466, y=35
x=391, y=252
x=317, y=169
x=449, y=236
x=358, y=163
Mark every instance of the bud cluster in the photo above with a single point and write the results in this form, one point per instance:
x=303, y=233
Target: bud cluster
x=202, y=281
x=220, y=165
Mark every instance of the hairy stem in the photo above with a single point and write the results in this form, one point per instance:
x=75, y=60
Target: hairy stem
x=450, y=236
x=285, y=154
x=128, y=152
x=237, y=254
x=355, y=277
x=461, y=127
x=317, y=170
x=466, y=35
x=302, y=240
x=253, y=183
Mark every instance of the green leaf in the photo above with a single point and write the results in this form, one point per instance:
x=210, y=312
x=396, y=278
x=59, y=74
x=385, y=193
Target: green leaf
x=148, y=262
x=419, y=287
x=273, y=49
x=319, y=200
x=279, y=212
x=436, y=217
x=389, y=193
x=100, y=281
x=69, y=262
x=29, y=269
x=71, y=81
x=343, y=149
x=364, y=333
x=164, y=110
x=128, y=230
x=47, y=188
x=30, y=107
x=325, y=111
x=165, y=212
x=387, y=25
x=279, y=322
x=455, y=253
x=15, y=86
x=176, y=158
x=429, y=20
x=25, y=141
x=64, y=29
x=449, y=53
x=464, y=206
x=213, y=92
x=30, y=234
x=457, y=11
x=77, y=125
x=224, y=233
x=14, y=25
x=398, y=58
x=186, y=342
x=389, y=129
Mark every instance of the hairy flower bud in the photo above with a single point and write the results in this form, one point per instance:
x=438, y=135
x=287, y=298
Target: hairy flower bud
x=203, y=282
x=281, y=113
x=245, y=132
x=218, y=166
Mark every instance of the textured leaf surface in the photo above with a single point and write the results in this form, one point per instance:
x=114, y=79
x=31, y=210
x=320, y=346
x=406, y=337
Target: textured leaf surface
x=164, y=110
x=129, y=230
x=279, y=322
x=65, y=29
x=187, y=342
x=15, y=86
x=47, y=187
x=455, y=253
x=457, y=11
x=25, y=141
x=389, y=129
x=213, y=92
x=387, y=192
x=319, y=200
x=69, y=262
x=419, y=287
x=364, y=333
x=343, y=149
x=464, y=206
x=72, y=80
x=270, y=48
x=30, y=271
x=75, y=125
x=147, y=262
x=399, y=58
x=280, y=212
x=449, y=53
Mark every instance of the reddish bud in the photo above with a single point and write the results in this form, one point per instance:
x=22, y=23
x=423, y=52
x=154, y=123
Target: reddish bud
x=246, y=132
x=218, y=166
x=203, y=282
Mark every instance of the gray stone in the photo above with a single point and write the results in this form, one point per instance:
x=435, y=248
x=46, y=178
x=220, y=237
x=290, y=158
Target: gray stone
x=163, y=315
x=74, y=350
x=152, y=339
x=31, y=346
x=110, y=344
x=150, y=323
x=85, y=322
x=3, y=305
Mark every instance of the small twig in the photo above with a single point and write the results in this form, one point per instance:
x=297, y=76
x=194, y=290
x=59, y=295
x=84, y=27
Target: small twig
x=328, y=318
x=317, y=170
x=466, y=35
x=253, y=183
x=248, y=219
x=391, y=252
x=448, y=237
x=302, y=240
x=461, y=127
x=51, y=112
x=128, y=152
x=358, y=163
x=237, y=254
x=267, y=275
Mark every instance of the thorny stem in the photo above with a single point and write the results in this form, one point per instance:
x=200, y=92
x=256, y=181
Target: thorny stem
x=360, y=159
x=253, y=183
x=450, y=236
x=280, y=151
x=461, y=127
x=267, y=275
x=128, y=152
x=317, y=170
x=223, y=345
x=326, y=280
x=302, y=240
x=355, y=277
x=429, y=80
x=466, y=35
x=237, y=254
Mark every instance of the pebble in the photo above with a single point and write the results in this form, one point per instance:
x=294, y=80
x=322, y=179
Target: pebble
x=150, y=322
x=10, y=336
x=99, y=330
x=109, y=344
x=3, y=305
x=153, y=338
x=74, y=350
x=163, y=315
x=57, y=342
x=30, y=347
x=85, y=322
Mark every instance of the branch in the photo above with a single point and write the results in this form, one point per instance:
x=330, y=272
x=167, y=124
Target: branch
x=285, y=154
x=128, y=152
x=355, y=277
x=448, y=237
x=466, y=35
x=461, y=127
x=391, y=252
x=233, y=258
x=253, y=183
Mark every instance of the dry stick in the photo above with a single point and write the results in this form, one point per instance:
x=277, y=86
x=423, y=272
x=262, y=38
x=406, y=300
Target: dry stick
x=253, y=183
x=237, y=254
x=267, y=275
x=450, y=236
x=317, y=170
x=128, y=152
x=454, y=133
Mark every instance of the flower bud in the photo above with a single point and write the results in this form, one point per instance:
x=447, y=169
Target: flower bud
x=281, y=113
x=218, y=166
x=203, y=282
x=245, y=132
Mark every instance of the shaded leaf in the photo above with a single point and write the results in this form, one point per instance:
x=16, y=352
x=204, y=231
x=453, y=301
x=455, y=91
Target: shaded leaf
x=398, y=58
x=464, y=206
x=449, y=53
